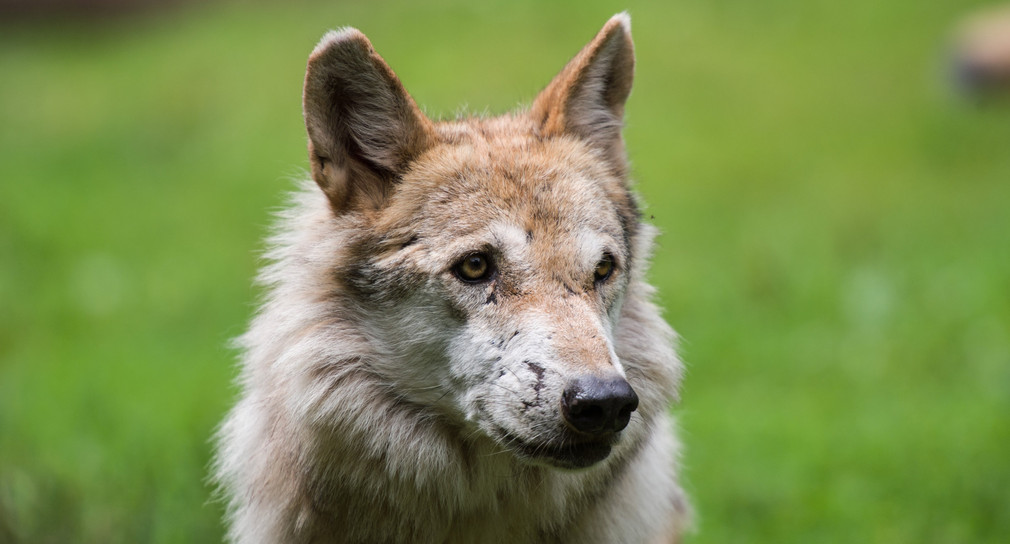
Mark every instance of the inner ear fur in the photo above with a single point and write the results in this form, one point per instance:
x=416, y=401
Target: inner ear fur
x=363, y=127
x=586, y=99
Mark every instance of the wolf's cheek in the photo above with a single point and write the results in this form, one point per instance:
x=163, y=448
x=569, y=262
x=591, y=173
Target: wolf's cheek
x=472, y=360
x=485, y=380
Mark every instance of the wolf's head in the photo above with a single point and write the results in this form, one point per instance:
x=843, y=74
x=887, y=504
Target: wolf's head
x=493, y=262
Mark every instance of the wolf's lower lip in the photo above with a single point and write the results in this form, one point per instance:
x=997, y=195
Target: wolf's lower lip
x=576, y=455
x=562, y=454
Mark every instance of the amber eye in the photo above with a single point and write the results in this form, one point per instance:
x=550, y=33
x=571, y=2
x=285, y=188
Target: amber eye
x=474, y=267
x=604, y=268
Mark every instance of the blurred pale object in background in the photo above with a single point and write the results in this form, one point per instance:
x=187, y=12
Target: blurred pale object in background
x=982, y=52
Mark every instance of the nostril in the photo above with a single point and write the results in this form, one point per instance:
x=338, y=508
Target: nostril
x=624, y=414
x=598, y=406
x=587, y=417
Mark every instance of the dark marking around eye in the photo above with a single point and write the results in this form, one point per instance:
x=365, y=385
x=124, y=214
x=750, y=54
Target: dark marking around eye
x=492, y=298
x=604, y=268
x=476, y=267
x=529, y=236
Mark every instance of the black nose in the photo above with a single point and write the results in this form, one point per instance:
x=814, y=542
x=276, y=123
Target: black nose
x=598, y=406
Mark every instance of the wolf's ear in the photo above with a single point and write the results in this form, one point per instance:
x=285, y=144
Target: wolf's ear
x=587, y=98
x=364, y=129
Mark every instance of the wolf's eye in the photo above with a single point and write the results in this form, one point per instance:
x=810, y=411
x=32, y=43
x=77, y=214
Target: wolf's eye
x=474, y=267
x=604, y=268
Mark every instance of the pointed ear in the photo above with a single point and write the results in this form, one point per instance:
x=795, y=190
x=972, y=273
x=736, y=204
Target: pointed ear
x=587, y=98
x=364, y=129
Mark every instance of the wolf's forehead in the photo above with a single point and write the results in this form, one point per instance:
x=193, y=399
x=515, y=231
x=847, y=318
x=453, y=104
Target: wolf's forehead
x=511, y=175
x=530, y=200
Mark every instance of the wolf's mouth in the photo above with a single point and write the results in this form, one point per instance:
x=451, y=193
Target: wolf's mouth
x=562, y=453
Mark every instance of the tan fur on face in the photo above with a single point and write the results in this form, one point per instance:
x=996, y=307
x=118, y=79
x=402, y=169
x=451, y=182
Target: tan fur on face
x=553, y=193
x=385, y=399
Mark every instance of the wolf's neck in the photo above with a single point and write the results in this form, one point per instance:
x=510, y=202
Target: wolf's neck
x=436, y=486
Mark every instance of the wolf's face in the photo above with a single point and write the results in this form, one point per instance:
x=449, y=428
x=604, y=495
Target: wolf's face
x=511, y=258
x=492, y=255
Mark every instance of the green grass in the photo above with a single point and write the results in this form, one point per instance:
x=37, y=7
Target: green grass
x=836, y=249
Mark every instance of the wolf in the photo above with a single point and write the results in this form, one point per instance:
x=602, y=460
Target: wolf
x=457, y=341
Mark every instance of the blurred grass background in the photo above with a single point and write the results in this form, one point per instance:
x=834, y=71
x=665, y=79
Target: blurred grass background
x=836, y=248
